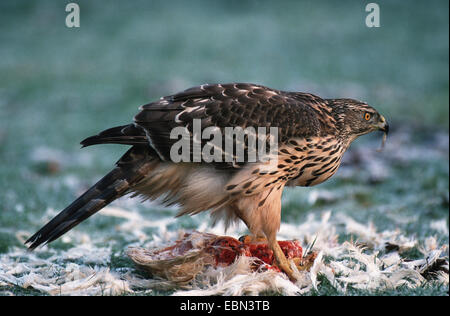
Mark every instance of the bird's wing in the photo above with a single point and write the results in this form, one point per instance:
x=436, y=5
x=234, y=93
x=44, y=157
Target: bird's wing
x=228, y=105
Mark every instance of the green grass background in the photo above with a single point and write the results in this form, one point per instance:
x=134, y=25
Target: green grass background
x=59, y=85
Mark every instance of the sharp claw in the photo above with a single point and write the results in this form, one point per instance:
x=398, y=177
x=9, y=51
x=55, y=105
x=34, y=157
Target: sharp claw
x=249, y=239
x=305, y=263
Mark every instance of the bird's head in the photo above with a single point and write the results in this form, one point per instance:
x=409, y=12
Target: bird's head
x=355, y=118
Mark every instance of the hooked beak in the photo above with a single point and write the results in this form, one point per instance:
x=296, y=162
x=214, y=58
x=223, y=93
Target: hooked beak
x=383, y=125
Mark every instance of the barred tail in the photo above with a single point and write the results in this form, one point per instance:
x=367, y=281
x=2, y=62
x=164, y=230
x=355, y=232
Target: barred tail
x=130, y=169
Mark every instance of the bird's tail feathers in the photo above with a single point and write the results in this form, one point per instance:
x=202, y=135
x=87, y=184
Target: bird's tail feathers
x=130, y=169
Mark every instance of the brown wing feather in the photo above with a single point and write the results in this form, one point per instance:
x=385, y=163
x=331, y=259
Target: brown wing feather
x=126, y=134
x=230, y=105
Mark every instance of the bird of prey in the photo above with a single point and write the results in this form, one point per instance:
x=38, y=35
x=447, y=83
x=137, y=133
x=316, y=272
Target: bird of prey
x=313, y=134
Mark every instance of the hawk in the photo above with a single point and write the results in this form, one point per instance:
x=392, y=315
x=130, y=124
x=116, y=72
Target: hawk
x=313, y=134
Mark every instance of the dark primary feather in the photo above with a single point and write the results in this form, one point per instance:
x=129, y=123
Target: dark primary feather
x=126, y=134
x=129, y=170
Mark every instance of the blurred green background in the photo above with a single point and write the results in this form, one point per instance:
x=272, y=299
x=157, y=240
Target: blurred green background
x=59, y=85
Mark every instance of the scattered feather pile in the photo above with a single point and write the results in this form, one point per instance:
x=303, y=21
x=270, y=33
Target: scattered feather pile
x=372, y=260
x=196, y=252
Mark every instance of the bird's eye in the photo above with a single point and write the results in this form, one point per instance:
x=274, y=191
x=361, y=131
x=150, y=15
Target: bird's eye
x=367, y=116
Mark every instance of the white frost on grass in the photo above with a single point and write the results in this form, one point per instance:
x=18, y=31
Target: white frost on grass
x=361, y=263
x=77, y=271
x=135, y=223
x=440, y=226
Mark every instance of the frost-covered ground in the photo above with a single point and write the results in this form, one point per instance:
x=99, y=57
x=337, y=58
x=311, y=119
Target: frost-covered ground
x=367, y=240
x=60, y=85
x=373, y=262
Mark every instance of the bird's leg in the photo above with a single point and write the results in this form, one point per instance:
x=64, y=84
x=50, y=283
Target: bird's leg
x=281, y=260
x=264, y=220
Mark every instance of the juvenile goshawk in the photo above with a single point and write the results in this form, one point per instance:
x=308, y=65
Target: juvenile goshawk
x=313, y=134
